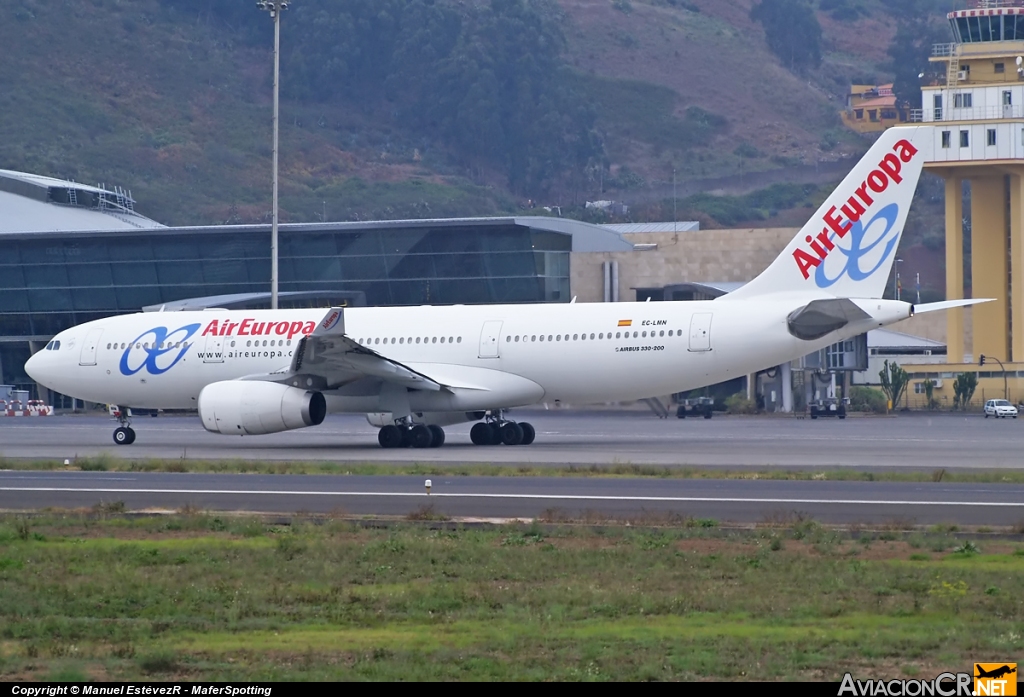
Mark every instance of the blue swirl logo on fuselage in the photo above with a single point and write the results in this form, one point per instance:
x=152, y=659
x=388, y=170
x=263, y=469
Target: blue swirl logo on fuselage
x=157, y=350
x=858, y=249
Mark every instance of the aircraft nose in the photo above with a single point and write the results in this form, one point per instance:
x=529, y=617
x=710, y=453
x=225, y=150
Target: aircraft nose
x=34, y=367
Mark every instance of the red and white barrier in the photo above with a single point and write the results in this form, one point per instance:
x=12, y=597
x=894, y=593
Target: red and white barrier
x=34, y=407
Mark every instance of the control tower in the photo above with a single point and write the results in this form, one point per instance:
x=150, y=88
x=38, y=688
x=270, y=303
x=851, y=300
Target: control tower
x=977, y=110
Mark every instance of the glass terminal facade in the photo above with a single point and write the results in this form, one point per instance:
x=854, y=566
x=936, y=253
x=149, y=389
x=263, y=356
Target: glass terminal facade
x=52, y=281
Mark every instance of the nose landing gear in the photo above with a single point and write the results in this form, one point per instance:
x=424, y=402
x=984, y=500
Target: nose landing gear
x=123, y=434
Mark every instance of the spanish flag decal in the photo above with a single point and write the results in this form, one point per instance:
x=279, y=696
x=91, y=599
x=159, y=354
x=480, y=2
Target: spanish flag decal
x=625, y=323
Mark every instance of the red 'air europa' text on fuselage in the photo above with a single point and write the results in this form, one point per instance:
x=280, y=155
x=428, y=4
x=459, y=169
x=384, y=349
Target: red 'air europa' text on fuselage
x=250, y=327
x=840, y=222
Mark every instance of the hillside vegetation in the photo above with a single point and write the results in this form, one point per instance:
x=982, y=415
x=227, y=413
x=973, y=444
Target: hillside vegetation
x=424, y=108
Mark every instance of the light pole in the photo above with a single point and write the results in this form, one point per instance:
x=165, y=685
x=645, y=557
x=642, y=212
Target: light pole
x=275, y=7
x=675, y=225
x=1006, y=391
x=896, y=279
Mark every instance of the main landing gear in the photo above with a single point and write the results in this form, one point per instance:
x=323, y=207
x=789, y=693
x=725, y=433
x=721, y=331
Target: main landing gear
x=497, y=430
x=123, y=434
x=411, y=436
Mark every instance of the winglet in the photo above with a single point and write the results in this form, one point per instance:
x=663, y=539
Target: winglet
x=332, y=324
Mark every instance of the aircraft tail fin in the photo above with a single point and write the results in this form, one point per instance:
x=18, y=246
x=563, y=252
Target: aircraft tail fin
x=848, y=246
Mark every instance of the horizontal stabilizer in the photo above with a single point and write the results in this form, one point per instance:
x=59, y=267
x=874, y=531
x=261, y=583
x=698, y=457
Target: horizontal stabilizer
x=819, y=317
x=948, y=304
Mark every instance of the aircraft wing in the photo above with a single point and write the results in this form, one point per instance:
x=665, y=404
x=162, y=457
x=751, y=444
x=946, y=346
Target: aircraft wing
x=328, y=359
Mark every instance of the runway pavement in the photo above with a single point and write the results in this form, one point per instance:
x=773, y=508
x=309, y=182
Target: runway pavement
x=563, y=438
x=748, y=501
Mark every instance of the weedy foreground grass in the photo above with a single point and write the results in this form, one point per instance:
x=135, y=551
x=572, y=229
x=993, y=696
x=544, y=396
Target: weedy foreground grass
x=202, y=597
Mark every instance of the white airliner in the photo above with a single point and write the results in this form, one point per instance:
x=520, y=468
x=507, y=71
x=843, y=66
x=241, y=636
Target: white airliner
x=412, y=370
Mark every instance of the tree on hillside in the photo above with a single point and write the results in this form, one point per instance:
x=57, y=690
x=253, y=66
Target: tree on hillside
x=487, y=79
x=792, y=31
x=909, y=51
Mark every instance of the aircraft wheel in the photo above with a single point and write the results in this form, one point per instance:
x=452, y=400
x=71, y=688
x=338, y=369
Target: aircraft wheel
x=438, y=436
x=390, y=437
x=480, y=434
x=420, y=436
x=512, y=433
x=131, y=435
x=123, y=436
x=528, y=433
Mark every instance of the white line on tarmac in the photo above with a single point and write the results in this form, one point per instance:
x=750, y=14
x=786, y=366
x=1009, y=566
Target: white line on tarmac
x=555, y=497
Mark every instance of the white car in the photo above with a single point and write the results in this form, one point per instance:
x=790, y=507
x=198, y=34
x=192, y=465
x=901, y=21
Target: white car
x=1000, y=408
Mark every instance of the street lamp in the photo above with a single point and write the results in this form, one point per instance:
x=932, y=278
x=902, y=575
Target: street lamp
x=896, y=279
x=1006, y=392
x=275, y=7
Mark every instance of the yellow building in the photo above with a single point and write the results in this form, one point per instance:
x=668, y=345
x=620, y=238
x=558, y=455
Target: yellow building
x=871, y=109
x=978, y=116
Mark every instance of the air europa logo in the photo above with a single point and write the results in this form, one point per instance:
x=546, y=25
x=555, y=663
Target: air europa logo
x=159, y=354
x=331, y=320
x=250, y=327
x=846, y=220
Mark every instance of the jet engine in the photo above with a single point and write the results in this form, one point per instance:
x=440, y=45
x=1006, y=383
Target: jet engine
x=249, y=408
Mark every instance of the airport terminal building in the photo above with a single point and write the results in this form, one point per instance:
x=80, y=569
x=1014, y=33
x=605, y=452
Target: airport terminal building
x=71, y=253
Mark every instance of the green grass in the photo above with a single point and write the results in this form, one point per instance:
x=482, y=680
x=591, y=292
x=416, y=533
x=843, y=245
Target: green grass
x=197, y=597
x=109, y=463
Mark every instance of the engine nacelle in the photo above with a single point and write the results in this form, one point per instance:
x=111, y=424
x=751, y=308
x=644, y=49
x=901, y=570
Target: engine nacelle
x=249, y=408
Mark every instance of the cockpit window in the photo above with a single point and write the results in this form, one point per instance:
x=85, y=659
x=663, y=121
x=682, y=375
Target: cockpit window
x=52, y=346
x=56, y=345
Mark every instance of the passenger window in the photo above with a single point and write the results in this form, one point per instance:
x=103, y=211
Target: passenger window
x=232, y=344
x=575, y=337
x=417, y=340
x=542, y=337
x=533, y=338
x=645, y=334
x=459, y=340
x=442, y=339
x=517, y=338
x=402, y=340
x=508, y=339
x=601, y=335
x=634, y=334
x=583, y=337
x=661, y=333
x=617, y=335
x=558, y=337
x=434, y=340
x=591, y=336
x=549, y=337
